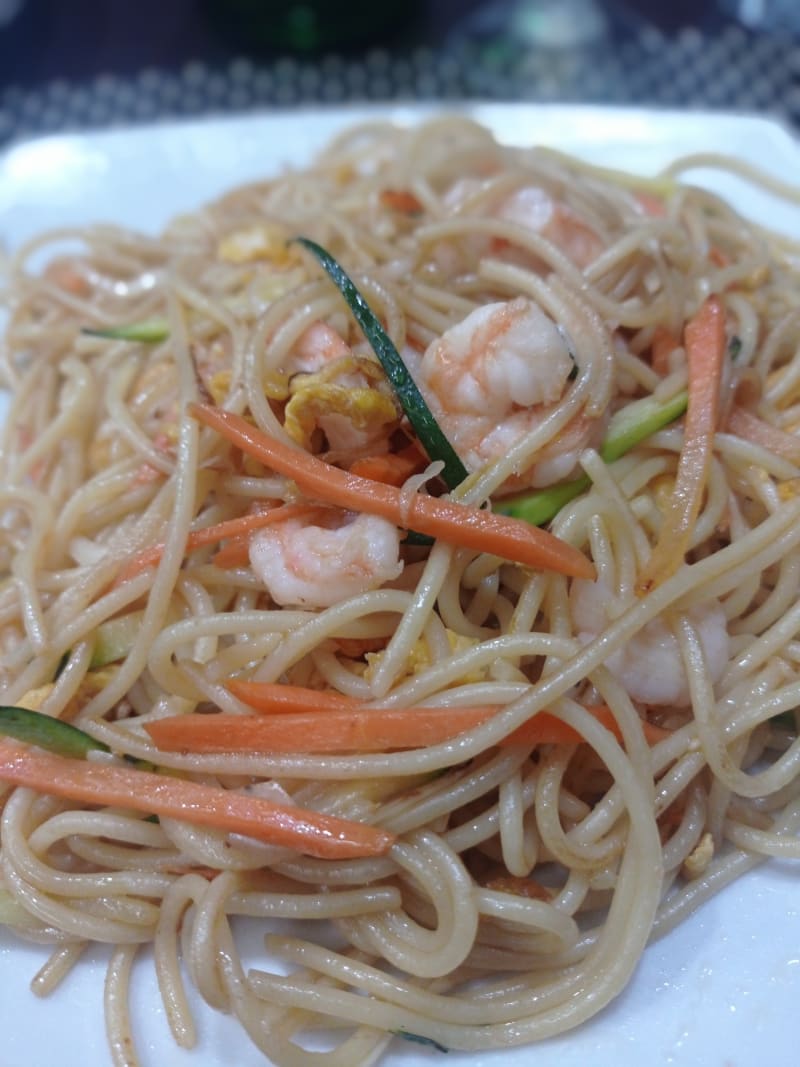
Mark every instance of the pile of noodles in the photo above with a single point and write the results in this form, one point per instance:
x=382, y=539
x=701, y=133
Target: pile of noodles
x=526, y=881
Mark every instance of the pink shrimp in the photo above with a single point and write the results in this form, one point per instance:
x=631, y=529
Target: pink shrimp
x=313, y=565
x=493, y=377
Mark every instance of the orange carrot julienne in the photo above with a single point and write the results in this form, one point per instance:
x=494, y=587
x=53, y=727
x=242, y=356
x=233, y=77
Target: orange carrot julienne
x=274, y=698
x=401, y=200
x=545, y=727
x=705, y=344
x=391, y=468
x=332, y=730
x=210, y=535
x=718, y=257
x=353, y=729
x=455, y=523
x=358, y=647
x=236, y=553
x=309, y=832
x=662, y=346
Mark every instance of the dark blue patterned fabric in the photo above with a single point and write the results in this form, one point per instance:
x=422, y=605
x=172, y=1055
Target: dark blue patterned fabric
x=731, y=68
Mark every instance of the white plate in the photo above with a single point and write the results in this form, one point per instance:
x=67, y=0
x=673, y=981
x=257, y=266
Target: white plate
x=723, y=988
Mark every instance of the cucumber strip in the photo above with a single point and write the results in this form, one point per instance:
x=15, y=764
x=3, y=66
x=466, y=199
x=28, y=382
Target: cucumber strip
x=411, y=399
x=629, y=427
x=113, y=641
x=543, y=505
x=44, y=731
x=639, y=420
x=149, y=331
x=56, y=736
x=115, y=638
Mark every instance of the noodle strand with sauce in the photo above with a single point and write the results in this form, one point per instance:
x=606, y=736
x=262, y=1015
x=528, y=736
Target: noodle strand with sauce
x=541, y=306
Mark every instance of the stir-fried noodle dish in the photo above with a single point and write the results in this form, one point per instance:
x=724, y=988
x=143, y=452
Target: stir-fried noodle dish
x=409, y=545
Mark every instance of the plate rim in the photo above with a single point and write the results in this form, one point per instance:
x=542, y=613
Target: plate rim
x=754, y=883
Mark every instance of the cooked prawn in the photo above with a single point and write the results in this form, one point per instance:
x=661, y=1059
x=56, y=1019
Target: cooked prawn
x=309, y=565
x=650, y=666
x=493, y=377
x=532, y=208
x=317, y=347
x=535, y=209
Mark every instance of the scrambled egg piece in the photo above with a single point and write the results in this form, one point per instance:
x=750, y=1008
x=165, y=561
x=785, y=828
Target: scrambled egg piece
x=789, y=489
x=219, y=385
x=273, y=267
x=350, y=415
x=92, y=683
x=264, y=240
x=324, y=405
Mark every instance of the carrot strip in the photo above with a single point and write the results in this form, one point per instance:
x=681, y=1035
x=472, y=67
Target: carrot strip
x=454, y=523
x=309, y=832
x=353, y=729
x=556, y=731
x=333, y=730
x=235, y=554
x=704, y=341
x=272, y=697
x=718, y=257
x=401, y=200
x=391, y=468
x=209, y=535
x=662, y=346
x=357, y=647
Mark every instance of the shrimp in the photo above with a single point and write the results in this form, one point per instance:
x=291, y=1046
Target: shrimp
x=493, y=377
x=533, y=208
x=529, y=207
x=650, y=666
x=317, y=347
x=339, y=394
x=307, y=565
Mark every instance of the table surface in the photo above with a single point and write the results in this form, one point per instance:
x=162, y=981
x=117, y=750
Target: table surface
x=94, y=63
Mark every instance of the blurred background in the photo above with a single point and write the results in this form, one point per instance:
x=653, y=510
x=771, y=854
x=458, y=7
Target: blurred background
x=86, y=63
